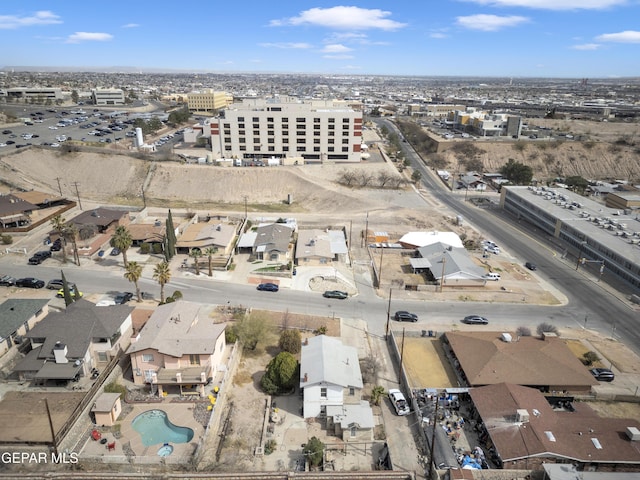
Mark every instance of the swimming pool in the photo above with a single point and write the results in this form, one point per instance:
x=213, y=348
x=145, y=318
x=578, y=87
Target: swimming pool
x=154, y=427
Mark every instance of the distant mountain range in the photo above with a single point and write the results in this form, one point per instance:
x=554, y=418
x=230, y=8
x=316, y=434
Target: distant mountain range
x=113, y=69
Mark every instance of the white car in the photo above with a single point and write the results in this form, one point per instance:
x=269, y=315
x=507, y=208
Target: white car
x=3, y=144
x=53, y=127
x=399, y=402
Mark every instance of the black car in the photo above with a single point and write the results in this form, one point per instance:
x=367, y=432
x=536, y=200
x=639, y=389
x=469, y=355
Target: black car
x=404, y=316
x=602, y=374
x=7, y=281
x=269, y=287
x=29, y=282
x=335, y=294
x=531, y=266
x=123, y=298
x=7, y=132
x=56, y=246
x=475, y=320
x=39, y=257
x=35, y=260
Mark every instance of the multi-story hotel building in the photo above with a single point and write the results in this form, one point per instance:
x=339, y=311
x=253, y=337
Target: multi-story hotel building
x=289, y=131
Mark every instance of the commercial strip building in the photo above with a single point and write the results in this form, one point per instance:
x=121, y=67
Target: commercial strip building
x=588, y=230
x=289, y=130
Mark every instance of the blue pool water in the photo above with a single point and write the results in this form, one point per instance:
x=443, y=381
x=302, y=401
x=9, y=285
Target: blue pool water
x=154, y=427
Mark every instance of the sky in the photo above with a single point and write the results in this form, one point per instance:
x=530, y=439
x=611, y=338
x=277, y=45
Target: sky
x=496, y=38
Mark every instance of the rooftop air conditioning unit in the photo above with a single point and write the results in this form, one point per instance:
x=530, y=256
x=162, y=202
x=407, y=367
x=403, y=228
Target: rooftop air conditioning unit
x=522, y=415
x=506, y=337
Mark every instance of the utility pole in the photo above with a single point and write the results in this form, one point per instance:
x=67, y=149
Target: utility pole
x=75, y=184
x=366, y=231
x=53, y=433
x=444, y=262
x=245, y=206
x=59, y=187
x=386, y=333
x=433, y=439
x=401, y=358
x=380, y=269
x=350, y=230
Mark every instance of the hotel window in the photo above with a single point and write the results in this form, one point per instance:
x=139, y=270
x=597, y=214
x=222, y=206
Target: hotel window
x=330, y=149
x=226, y=125
x=316, y=149
x=256, y=140
x=331, y=141
x=257, y=147
x=345, y=141
x=242, y=132
x=332, y=134
x=316, y=127
x=301, y=133
x=243, y=148
x=352, y=391
x=255, y=119
x=227, y=132
x=316, y=134
x=316, y=120
x=301, y=140
x=256, y=125
x=285, y=149
x=242, y=140
x=256, y=132
x=270, y=119
x=300, y=126
x=227, y=148
x=345, y=149
x=316, y=140
x=332, y=120
x=332, y=127
x=301, y=149
x=241, y=125
x=194, y=359
x=285, y=133
x=270, y=140
x=241, y=119
x=147, y=357
x=272, y=149
x=345, y=120
x=270, y=132
x=285, y=140
x=227, y=139
x=301, y=120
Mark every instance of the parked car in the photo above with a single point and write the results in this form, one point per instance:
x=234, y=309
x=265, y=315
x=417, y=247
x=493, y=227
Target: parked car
x=603, y=374
x=7, y=281
x=398, y=401
x=57, y=284
x=56, y=246
x=29, y=282
x=114, y=252
x=60, y=293
x=269, y=287
x=335, y=294
x=39, y=257
x=35, y=260
x=531, y=266
x=492, y=276
x=122, y=298
x=475, y=320
x=404, y=316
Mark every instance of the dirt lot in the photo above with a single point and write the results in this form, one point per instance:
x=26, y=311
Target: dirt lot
x=426, y=365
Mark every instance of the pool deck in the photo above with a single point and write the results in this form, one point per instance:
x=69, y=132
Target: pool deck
x=180, y=414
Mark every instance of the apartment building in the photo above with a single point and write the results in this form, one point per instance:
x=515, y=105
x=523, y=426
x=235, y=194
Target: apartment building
x=486, y=124
x=289, y=130
x=107, y=96
x=208, y=101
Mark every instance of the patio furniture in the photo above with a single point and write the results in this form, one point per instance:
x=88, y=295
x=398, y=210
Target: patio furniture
x=96, y=435
x=111, y=446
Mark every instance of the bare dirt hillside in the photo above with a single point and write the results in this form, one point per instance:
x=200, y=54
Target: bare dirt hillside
x=119, y=179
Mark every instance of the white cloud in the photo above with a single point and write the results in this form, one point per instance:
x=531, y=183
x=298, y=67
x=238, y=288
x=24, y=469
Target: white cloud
x=628, y=36
x=489, y=23
x=438, y=35
x=335, y=48
x=587, y=46
x=286, y=45
x=131, y=25
x=43, y=17
x=342, y=18
x=80, y=37
x=338, y=57
x=553, y=4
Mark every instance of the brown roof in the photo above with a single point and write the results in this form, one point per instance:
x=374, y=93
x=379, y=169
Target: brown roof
x=550, y=433
x=101, y=217
x=38, y=198
x=486, y=360
x=146, y=232
x=12, y=205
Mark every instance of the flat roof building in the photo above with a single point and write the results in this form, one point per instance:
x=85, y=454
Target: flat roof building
x=208, y=101
x=107, y=96
x=288, y=129
x=587, y=229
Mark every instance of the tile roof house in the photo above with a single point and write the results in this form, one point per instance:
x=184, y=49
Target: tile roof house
x=70, y=343
x=331, y=382
x=202, y=235
x=527, y=429
x=146, y=233
x=179, y=349
x=488, y=358
x=17, y=317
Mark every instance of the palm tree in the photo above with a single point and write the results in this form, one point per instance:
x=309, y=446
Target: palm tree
x=121, y=239
x=162, y=274
x=133, y=272
x=70, y=232
x=59, y=224
x=210, y=252
x=196, y=253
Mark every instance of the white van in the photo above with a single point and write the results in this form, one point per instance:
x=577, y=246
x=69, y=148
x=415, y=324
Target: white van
x=492, y=276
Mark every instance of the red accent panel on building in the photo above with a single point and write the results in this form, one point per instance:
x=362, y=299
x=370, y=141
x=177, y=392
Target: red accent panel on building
x=357, y=120
x=356, y=147
x=357, y=134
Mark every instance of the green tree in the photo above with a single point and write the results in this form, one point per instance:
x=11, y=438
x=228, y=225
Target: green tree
x=74, y=96
x=59, y=224
x=281, y=375
x=251, y=329
x=517, y=172
x=121, y=239
x=179, y=116
x=314, y=451
x=133, y=272
x=171, y=236
x=210, y=252
x=290, y=341
x=162, y=274
x=416, y=176
x=154, y=124
x=196, y=254
x=377, y=394
x=590, y=358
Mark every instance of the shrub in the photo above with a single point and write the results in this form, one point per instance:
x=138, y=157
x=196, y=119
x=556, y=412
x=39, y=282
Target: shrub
x=281, y=375
x=115, y=387
x=7, y=239
x=314, y=451
x=523, y=332
x=290, y=341
x=145, y=248
x=230, y=335
x=590, y=357
x=270, y=446
x=156, y=248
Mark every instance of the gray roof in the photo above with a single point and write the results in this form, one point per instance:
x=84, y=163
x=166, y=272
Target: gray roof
x=180, y=328
x=457, y=263
x=275, y=236
x=359, y=415
x=327, y=360
x=105, y=402
x=15, y=312
x=77, y=325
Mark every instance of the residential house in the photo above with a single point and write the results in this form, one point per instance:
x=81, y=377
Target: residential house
x=472, y=181
x=67, y=345
x=488, y=358
x=527, y=429
x=320, y=247
x=17, y=317
x=179, y=349
x=105, y=220
x=202, y=235
x=14, y=211
x=151, y=233
x=272, y=242
x=332, y=388
x=448, y=266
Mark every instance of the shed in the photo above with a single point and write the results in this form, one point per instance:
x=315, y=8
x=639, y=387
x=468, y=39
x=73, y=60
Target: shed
x=107, y=409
